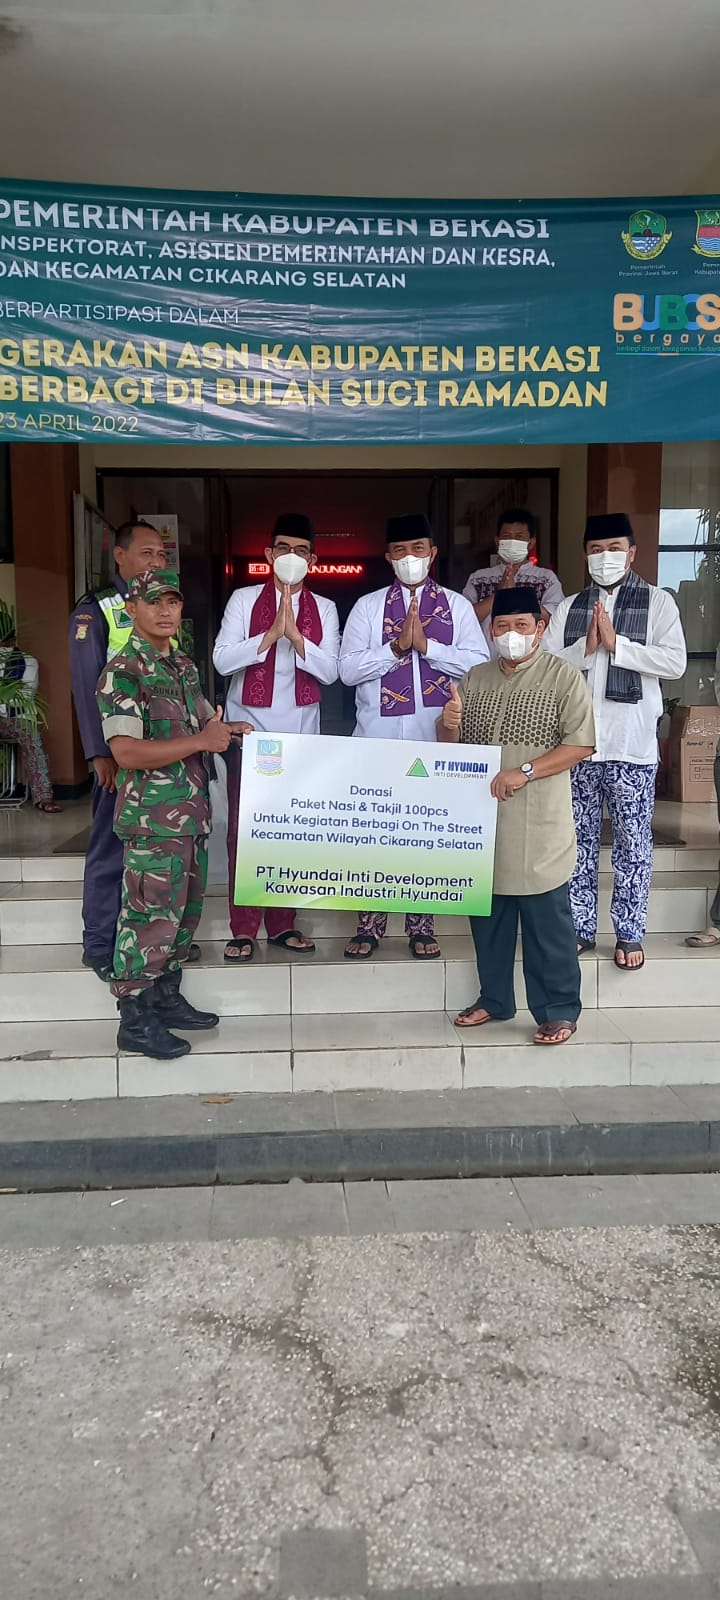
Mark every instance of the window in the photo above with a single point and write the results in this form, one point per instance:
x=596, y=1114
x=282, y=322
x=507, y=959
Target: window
x=689, y=558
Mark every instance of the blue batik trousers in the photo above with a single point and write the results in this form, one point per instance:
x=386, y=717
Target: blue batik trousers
x=629, y=793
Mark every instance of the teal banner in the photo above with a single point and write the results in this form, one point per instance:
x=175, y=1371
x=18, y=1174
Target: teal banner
x=136, y=315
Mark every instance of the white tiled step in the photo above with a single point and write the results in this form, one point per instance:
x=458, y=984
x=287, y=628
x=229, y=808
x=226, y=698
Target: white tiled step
x=396, y=1050
x=48, y=983
x=69, y=869
x=45, y=913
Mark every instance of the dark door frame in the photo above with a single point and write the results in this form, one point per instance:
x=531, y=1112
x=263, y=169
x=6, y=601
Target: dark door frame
x=440, y=505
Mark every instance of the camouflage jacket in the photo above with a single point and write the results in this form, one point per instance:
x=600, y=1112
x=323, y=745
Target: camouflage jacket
x=145, y=695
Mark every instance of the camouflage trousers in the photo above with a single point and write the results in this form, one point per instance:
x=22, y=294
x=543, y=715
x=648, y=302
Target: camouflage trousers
x=162, y=894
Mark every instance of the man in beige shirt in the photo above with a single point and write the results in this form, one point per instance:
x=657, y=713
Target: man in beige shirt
x=538, y=709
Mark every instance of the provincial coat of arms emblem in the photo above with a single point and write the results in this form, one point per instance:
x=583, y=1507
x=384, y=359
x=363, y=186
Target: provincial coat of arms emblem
x=268, y=757
x=647, y=235
x=707, y=233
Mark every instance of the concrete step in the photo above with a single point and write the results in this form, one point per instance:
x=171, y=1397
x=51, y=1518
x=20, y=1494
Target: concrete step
x=47, y=983
x=148, y=1143
x=384, y=1051
x=49, y=913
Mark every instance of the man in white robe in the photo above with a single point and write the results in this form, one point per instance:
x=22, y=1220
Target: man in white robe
x=280, y=642
x=402, y=648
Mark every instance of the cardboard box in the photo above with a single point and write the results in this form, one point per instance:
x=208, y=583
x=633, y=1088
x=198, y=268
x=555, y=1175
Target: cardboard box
x=694, y=735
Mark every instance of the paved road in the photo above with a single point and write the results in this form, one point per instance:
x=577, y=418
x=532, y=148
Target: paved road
x=503, y=1406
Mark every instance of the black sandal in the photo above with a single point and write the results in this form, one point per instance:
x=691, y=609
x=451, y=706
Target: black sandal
x=239, y=946
x=585, y=944
x=361, y=955
x=628, y=949
x=419, y=942
x=283, y=940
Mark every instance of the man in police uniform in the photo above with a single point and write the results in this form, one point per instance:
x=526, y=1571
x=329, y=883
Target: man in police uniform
x=160, y=730
x=99, y=628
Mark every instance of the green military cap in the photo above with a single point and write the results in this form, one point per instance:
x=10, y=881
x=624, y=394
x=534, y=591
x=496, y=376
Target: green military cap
x=151, y=585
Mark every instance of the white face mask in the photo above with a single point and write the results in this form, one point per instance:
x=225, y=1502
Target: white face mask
x=514, y=646
x=512, y=551
x=608, y=567
x=412, y=570
x=290, y=568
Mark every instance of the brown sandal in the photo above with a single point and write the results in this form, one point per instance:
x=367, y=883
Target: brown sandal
x=547, y=1030
x=462, y=1019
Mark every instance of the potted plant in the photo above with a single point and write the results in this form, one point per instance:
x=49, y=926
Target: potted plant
x=18, y=700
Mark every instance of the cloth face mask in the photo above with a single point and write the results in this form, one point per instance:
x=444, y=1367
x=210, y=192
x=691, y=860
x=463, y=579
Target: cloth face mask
x=290, y=568
x=514, y=646
x=607, y=568
x=512, y=551
x=412, y=570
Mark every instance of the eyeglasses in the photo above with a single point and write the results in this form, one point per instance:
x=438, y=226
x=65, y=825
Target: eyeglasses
x=281, y=549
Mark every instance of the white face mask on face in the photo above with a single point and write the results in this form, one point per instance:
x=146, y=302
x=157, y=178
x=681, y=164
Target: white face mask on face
x=514, y=646
x=512, y=551
x=608, y=567
x=412, y=570
x=290, y=568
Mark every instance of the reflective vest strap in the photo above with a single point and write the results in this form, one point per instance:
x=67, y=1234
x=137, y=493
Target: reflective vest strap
x=118, y=622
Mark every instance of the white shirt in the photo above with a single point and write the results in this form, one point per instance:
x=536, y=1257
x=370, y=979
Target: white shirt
x=364, y=660
x=627, y=732
x=236, y=649
x=486, y=580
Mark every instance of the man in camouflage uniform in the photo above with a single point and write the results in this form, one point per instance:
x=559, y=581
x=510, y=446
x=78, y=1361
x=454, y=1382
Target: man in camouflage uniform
x=161, y=731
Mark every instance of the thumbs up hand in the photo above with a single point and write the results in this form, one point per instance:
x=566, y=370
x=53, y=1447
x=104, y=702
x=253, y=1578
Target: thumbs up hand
x=453, y=711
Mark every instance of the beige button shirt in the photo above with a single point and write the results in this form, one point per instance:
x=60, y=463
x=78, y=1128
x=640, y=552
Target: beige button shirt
x=542, y=703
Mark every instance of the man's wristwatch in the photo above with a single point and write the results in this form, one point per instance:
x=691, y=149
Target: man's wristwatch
x=398, y=651
x=528, y=771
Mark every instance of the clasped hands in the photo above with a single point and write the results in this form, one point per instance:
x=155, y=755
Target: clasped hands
x=601, y=631
x=284, y=626
x=412, y=634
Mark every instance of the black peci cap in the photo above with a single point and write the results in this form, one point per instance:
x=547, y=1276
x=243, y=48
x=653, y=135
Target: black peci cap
x=515, y=602
x=402, y=529
x=293, y=525
x=612, y=525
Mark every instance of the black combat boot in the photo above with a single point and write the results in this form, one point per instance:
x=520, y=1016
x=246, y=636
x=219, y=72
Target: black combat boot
x=174, y=1010
x=142, y=1029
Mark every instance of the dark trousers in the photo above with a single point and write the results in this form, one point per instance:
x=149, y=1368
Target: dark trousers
x=103, y=878
x=549, y=955
x=715, y=907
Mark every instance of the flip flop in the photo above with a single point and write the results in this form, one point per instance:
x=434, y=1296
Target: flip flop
x=546, y=1030
x=239, y=946
x=462, y=1018
x=628, y=949
x=283, y=940
x=361, y=955
x=703, y=941
x=585, y=944
x=418, y=944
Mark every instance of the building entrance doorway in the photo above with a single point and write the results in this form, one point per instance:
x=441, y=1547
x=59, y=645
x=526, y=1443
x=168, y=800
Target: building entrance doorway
x=224, y=520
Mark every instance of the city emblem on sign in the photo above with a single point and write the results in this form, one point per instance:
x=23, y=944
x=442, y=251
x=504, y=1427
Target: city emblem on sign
x=707, y=234
x=647, y=235
x=268, y=757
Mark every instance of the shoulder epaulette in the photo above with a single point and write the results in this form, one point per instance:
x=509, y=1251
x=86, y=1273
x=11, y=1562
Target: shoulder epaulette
x=107, y=590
